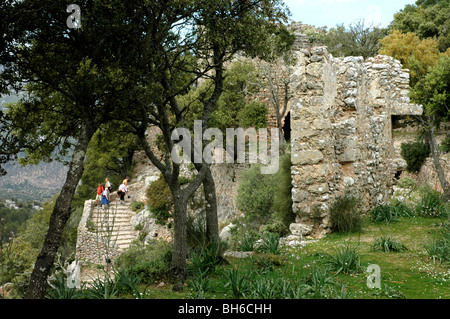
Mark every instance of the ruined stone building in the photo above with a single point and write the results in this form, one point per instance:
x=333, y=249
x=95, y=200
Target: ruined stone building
x=341, y=128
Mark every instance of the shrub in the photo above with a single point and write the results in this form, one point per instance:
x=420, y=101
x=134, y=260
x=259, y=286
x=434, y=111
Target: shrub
x=204, y=259
x=159, y=200
x=407, y=182
x=387, y=244
x=389, y=213
x=414, y=154
x=255, y=195
x=282, y=202
x=247, y=243
x=253, y=114
x=270, y=243
x=150, y=262
x=277, y=227
x=137, y=206
x=432, y=204
x=445, y=145
x=439, y=247
x=238, y=282
x=345, y=260
x=345, y=215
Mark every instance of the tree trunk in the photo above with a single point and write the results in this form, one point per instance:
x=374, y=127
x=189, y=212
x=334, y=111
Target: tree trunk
x=178, y=265
x=60, y=215
x=431, y=140
x=212, y=221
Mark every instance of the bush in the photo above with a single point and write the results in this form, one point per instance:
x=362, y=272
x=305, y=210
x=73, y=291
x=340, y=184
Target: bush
x=277, y=227
x=282, y=202
x=432, y=204
x=270, y=243
x=255, y=196
x=439, y=247
x=345, y=215
x=150, y=262
x=389, y=213
x=159, y=200
x=254, y=115
x=137, y=206
x=387, y=244
x=414, y=154
x=407, y=182
x=345, y=260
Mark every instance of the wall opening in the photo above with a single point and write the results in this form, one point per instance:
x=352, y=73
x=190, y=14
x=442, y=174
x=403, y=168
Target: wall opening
x=287, y=127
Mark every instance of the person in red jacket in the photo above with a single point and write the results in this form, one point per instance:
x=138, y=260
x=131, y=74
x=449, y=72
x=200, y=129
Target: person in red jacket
x=100, y=190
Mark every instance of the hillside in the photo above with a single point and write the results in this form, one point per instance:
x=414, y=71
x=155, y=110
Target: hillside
x=30, y=183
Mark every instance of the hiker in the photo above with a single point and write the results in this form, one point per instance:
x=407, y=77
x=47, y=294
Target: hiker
x=100, y=190
x=108, y=185
x=121, y=192
x=125, y=182
x=105, y=198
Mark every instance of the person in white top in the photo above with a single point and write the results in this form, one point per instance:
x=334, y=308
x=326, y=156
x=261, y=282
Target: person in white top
x=121, y=192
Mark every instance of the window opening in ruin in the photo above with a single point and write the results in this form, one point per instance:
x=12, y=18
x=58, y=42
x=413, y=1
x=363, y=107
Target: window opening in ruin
x=287, y=127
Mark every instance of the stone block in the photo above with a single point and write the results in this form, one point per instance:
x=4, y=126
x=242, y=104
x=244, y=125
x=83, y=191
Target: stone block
x=309, y=157
x=299, y=229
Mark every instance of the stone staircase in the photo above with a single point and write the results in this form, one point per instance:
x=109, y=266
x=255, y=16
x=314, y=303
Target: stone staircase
x=102, y=236
x=114, y=224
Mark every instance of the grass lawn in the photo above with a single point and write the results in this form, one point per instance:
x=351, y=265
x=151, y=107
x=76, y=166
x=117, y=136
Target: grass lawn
x=410, y=274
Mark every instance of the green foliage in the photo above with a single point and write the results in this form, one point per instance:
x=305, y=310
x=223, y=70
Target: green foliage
x=345, y=260
x=438, y=248
x=445, y=145
x=415, y=155
x=150, y=262
x=387, y=244
x=275, y=226
x=255, y=195
x=407, y=182
x=204, y=259
x=109, y=155
x=432, y=204
x=137, y=206
x=433, y=90
x=238, y=282
x=345, y=215
x=247, y=242
x=414, y=53
x=389, y=213
x=234, y=107
x=266, y=199
x=282, y=202
x=428, y=19
x=160, y=201
x=254, y=114
x=270, y=243
x=12, y=219
x=357, y=39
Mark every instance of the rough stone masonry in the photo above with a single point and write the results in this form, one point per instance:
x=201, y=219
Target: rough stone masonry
x=341, y=131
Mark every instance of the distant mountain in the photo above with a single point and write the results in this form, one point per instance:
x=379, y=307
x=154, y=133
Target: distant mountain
x=30, y=183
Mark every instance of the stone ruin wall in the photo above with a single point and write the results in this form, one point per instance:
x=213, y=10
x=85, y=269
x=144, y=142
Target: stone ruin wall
x=341, y=129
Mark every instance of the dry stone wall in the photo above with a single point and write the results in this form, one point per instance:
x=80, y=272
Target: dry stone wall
x=341, y=118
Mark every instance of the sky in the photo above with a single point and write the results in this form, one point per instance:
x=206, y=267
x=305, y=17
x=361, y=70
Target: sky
x=329, y=13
